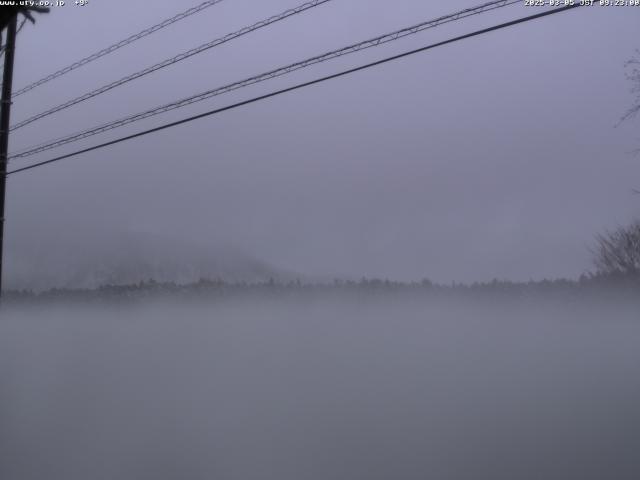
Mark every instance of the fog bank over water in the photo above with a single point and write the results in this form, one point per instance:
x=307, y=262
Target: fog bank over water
x=317, y=388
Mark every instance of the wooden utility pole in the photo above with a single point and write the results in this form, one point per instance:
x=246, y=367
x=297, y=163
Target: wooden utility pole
x=5, y=112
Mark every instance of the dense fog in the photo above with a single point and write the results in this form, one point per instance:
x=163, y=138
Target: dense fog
x=340, y=387
x=493, y=157
x=419, y=260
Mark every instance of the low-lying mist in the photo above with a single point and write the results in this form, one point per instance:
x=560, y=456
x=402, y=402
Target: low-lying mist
x=356, y=387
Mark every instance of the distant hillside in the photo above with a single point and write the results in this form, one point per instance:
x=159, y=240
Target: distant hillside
x=128, y=258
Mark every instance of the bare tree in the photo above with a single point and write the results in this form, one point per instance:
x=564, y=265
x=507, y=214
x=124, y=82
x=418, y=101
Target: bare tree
x=632, y=72
x=618, y=252
x=632, y=67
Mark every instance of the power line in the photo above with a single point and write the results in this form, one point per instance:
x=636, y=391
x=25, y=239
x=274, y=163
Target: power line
x=265, y=76
x=299, y=86
x=118, y=45
x=170, y=61
x=374, y=42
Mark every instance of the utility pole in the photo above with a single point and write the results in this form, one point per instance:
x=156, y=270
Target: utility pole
x=5, y=111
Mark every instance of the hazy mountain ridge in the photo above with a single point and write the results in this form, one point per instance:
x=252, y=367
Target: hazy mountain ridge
x=130, y=258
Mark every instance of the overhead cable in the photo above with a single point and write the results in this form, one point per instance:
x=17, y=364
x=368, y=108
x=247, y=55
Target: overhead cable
x=373, y=42
x=298, y=86
x=112, y=48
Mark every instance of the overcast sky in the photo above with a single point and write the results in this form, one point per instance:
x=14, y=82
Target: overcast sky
x=496, y=156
